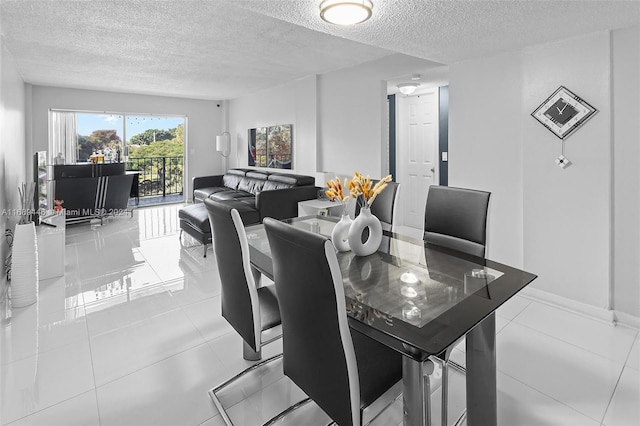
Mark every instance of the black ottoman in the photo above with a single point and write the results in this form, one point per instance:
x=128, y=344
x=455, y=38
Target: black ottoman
x=194, y=220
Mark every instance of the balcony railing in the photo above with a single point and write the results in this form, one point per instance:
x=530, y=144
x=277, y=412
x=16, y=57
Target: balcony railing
x=158, y=175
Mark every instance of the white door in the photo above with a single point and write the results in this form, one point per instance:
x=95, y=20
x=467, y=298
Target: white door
x=417, y=154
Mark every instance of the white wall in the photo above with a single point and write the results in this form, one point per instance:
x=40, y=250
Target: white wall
x=553, y=222
x=485, y=145
x=292, y=103
x=626, y=155
x=339, y=118
x=12, y=147
x=567, y=218
x=204, y=120
x=353, y=115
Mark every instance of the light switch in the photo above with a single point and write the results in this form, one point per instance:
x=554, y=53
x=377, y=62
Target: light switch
x=445, y=156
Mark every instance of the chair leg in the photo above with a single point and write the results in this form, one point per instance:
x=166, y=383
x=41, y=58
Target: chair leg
x=249, y=354
x=205, y=250
x=445, y=362
x=445, y=392
x=427, y=394
x=216, y=401
x=284, y=413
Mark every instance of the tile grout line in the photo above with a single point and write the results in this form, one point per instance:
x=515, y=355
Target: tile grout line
x=549, y=396
x=574, y=345
x=93, y=370
x=604, y=415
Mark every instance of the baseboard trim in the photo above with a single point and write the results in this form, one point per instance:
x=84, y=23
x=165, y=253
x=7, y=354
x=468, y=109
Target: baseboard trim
x=605, y=315
x=628, y=320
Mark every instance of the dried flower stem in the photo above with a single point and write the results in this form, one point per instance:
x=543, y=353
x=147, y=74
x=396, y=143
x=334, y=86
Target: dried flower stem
x=363, y=187
x=336, y=192
x=26, y=191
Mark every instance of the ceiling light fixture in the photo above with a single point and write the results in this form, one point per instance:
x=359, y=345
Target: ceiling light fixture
x=345, y=12
x=407, y=88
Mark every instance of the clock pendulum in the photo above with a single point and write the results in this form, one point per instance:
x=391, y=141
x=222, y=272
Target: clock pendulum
x=562, y=161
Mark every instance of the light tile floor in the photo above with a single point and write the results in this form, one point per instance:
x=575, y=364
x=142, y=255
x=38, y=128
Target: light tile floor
x=132, y=335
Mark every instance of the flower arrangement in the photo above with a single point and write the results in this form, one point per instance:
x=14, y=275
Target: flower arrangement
x=336, y=192
x=362, y=188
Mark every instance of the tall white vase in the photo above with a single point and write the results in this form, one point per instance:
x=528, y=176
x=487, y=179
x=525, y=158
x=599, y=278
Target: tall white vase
x=24, y=266
x=340, y=233
x=365, y=220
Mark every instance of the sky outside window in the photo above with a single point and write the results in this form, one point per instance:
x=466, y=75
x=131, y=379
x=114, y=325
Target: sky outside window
x=136, y=124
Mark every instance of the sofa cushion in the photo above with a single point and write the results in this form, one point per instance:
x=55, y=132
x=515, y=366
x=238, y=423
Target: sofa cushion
x=247, y=209
x=284, y=181
x=258, y=174
x=232, y=178
x=271, y=185
x=251, y=185
x=238, y=172
x=292, y=180
x=202, y=193
x=230, y=195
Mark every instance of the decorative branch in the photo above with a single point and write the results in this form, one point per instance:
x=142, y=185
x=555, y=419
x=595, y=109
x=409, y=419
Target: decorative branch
x=26, y=191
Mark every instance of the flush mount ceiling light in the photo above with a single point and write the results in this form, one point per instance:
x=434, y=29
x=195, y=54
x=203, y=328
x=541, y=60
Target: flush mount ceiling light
x=345, y=12
x=407, y=88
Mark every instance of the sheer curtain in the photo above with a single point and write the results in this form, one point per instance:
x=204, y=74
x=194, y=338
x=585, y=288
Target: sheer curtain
x=63, y=138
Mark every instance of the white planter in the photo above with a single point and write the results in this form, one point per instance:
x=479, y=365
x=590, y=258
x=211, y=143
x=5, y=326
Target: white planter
x=365, y=220
x=24, y=266
x=340, y=233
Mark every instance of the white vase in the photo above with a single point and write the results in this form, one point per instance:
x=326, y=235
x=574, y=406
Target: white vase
x=340, y=233
x=24, y=266
x=365, y=220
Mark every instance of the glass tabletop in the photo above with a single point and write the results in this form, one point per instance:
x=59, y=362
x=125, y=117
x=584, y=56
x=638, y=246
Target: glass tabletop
x=421, y=296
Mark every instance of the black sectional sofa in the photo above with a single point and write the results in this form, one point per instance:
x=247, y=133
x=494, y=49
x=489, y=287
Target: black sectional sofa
x=256, y=194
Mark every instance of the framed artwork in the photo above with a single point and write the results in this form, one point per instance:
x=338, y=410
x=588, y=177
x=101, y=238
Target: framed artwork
x=563, y=112
x=271, y=146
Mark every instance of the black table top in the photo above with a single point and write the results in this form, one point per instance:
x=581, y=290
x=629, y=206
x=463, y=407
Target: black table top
x=415, y=297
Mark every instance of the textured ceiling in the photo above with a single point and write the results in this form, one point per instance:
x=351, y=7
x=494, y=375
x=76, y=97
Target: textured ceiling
x=448, y=31
x=222, y=49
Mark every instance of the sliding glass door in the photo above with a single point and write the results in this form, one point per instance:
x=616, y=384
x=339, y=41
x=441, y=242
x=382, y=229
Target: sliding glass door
x=150, y=144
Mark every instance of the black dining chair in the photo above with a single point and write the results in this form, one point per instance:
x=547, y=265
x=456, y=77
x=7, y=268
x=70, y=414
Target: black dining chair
x=340, y=369
x=384, y=205
x=252, y=311
x=455, y=218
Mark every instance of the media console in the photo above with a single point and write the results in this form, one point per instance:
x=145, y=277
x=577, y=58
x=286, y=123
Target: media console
x=92, y=190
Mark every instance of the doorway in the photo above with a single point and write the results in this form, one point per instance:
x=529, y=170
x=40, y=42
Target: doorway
x=417, y=148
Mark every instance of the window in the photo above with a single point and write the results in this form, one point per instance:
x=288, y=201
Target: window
x=150, y=144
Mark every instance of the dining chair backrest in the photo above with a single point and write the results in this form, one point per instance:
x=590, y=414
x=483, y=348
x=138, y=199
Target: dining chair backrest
x=240, y=303
x=318, y=351
x=456, y=218
x=384, y=205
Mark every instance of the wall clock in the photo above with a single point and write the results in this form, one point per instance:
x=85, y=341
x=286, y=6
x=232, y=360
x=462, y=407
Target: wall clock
x=563, y=112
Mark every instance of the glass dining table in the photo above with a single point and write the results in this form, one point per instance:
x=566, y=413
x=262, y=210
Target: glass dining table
x=420, y=299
